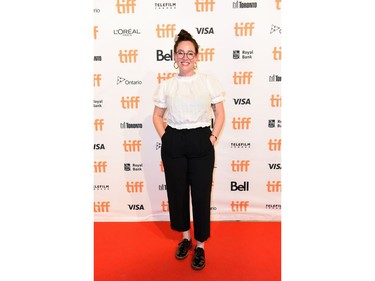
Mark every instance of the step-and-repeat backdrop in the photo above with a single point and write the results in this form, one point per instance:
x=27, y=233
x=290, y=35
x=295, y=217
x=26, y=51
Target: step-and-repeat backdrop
x=240, y=43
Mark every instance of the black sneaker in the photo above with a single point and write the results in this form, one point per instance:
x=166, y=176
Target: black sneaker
x=183, y=247
x=198, y=260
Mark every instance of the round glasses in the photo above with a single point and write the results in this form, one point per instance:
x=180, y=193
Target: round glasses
x=181, y=54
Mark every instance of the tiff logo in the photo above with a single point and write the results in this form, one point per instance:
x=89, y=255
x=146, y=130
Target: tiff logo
x=240, y=165
x=276, y=53
x=100, y=166
x=278, y=4
x=95, y=31
x=161, y=167
x=239, y=206
x=98, y=124
x=164, y=76
x=275, y=186
x=125, y=6
x=244, y=29
x=242, y=78
x=164, y=206
x=134, y=187
x=274, y=145
x=204, y=6
x=130, y=102
x=97, y=79
x=128, y=56
x=275, y=101
x=206, y=54
x=241, y=123
x=165, y=30
x=132, y=145
x=102, y=207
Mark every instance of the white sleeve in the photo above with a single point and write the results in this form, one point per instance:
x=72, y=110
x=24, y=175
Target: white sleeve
x=160, y=96
x=216, y=91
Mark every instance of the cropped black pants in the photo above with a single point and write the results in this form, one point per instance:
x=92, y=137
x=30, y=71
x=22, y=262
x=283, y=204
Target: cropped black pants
x=188, y=157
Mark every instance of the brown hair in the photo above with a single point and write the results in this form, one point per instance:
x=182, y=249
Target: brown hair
x=185, y=36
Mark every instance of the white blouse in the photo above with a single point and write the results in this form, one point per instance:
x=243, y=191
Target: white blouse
x=188, y=100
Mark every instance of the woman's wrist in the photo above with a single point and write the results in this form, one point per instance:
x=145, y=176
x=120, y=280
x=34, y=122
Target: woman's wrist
x=212, y=135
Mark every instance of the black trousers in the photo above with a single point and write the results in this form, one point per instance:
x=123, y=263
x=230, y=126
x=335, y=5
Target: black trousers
x=188, y=158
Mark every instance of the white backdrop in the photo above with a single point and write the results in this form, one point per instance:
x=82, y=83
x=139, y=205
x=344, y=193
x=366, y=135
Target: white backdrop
x=240, y=43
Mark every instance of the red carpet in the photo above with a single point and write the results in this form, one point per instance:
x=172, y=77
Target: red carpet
x=236, y=251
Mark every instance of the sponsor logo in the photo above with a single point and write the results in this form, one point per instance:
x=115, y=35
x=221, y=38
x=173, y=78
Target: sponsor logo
x=242, y=101
x=125, y=125
x=99, y=146
x=101, y=187
x=273, y=206
x=274, y=166
x=162, y=187
x=160, y=56
x=97, y=58
x=273, y=123
x=244, y=54
x=275, y=28
x=165, y=5
x=126, y=32
x=241, y=5
x=205, y=30
x=234, y=186
x=239, y=145
x=136, y=207
x=274, y=78
x=133, y=167
x=98, y=103
x=128, y=82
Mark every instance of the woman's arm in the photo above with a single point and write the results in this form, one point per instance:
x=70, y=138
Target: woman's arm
x=219, y=113
x=158, y=120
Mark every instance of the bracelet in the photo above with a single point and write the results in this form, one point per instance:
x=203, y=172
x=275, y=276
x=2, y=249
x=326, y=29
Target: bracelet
x=214, y=136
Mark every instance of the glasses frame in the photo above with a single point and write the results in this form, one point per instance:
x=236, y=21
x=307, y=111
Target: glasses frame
x=181, y=54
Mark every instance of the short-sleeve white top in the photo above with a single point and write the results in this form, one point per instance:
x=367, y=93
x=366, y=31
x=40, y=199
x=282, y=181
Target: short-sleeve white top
x=188, y=100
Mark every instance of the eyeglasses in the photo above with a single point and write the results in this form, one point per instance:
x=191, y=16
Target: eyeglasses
x=181, y=54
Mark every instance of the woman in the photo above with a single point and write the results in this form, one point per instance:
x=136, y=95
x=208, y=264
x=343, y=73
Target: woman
x=187, y=152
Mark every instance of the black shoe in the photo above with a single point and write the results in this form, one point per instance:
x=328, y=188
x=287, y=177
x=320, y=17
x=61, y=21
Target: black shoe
x=183, y=247
x=198, y=259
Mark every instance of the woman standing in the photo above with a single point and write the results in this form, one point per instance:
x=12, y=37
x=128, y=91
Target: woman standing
x=187, y=152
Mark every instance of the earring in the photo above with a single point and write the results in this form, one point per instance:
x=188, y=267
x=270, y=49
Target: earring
x=175, y=66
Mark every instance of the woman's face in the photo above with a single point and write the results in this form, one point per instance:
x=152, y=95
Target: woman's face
x=185, y=57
